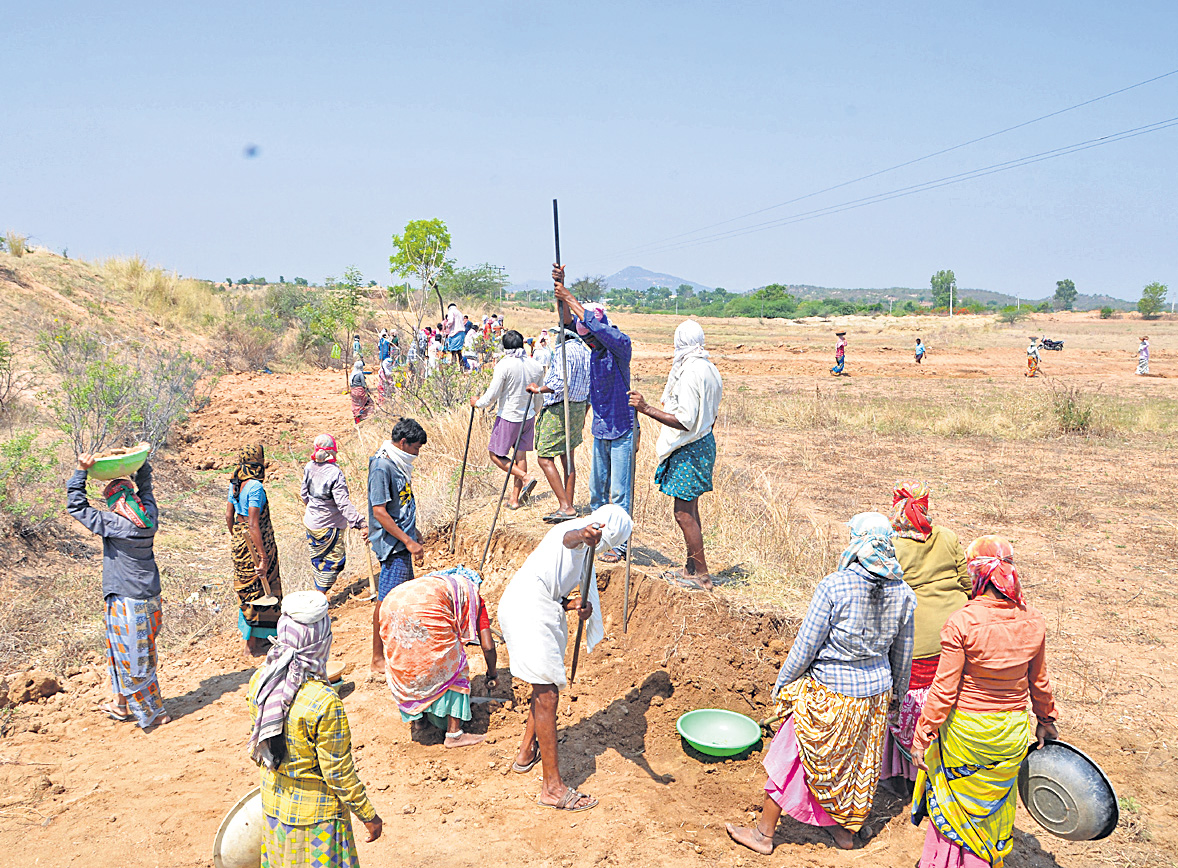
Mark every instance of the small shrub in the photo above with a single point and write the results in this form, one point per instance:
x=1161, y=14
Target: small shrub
x=17, y=244
x=1075, y=412
x=28, y=506
x=1106, y=312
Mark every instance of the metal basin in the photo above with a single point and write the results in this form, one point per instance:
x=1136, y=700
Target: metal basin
x=716, y=732
x=239, y=840
x=1067, y=792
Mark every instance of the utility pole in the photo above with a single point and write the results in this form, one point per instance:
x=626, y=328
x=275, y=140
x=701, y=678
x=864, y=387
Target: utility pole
x=951, y=301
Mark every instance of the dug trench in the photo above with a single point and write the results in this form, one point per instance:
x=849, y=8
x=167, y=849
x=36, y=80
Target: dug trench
x=80, y=787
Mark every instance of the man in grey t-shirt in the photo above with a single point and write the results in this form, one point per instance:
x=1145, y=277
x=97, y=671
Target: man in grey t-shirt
x=392, y=518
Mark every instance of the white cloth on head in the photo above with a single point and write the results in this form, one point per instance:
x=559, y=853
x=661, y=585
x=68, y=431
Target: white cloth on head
x=306, y=607
x=535, y=625
x=693, y=391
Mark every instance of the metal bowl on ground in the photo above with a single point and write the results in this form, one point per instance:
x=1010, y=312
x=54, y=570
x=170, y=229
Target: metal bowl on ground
x=239, y=840
x=1067, y=793
x=716, y=732
x=120, y=462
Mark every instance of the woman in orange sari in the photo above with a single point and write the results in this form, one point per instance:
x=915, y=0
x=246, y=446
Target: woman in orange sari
x=425, y=625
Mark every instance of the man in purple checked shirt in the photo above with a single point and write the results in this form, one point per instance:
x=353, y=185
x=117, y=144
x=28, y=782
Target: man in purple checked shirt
x=609, y=386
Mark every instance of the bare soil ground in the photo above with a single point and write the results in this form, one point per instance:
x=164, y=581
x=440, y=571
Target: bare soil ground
x=1092, y=519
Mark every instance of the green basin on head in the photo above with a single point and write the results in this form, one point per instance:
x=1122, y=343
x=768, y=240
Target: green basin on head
x=123, y=464
x=717, y=732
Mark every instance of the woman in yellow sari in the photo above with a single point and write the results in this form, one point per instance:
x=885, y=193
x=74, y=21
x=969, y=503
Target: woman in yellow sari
x=974, y=730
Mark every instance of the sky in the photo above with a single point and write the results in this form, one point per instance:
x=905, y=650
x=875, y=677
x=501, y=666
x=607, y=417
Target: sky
x=123, y=130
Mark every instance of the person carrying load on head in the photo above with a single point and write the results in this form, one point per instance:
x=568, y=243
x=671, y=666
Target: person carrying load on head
x=256, y=576
x=329, y=513
x=533, y=614
x=848, y=665
x=301, y=740
x=425, y=625
x=550, y=430
x=934, y=567
x=1033, y=358
x=686, y=448
x=130, y=588
x=974, y=730
x=609, y=385
x=1143, y=356
x=840, y=352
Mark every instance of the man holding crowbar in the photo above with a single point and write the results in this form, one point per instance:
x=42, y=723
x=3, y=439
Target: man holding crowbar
x=532, y=613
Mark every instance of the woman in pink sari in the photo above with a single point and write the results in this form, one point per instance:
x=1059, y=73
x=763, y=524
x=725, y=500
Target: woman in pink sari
x=425, y=625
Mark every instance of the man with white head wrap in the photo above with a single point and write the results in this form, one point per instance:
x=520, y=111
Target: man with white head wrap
x=686, y=448
x=535, y=629
x=302, y=741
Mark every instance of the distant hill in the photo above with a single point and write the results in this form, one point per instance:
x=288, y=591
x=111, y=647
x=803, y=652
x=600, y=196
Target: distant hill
x=637, y=278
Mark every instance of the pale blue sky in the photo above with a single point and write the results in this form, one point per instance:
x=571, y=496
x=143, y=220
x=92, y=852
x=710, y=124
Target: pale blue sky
x=122, y=132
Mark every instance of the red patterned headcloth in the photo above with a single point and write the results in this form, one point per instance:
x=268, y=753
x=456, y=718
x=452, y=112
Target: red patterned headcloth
x=990, y=560
x=910, y=510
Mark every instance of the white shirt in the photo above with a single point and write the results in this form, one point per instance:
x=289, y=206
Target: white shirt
x=509, y=386
x=695, y=403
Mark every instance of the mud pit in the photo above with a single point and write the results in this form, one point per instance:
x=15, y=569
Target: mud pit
x=79, y=789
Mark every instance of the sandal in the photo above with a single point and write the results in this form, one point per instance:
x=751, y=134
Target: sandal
x=113, y=712
x=558, y=516
x=524, y=769
x=526, y=494
x=613, y=556
x=680, y=579
x=570, y=798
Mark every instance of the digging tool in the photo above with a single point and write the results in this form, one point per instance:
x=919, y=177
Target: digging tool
x=269, y=599
x=371, y=573
x=585, y=579
x=630, y=547
x=461, y=479
x=499, y=504
x=562, y=309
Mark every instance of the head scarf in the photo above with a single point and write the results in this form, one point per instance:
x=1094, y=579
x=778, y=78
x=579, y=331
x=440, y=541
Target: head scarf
x=910, y=510
x=872, y=549
x=251, y=464
x=299, y=653
x=990, y=560
x=388, y=367
x=121, y=498
x=357, y=378
x=324, y=449
x=595, y=309
x=689, y=345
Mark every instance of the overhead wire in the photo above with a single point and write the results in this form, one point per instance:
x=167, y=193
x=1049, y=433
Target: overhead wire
x=658, y=245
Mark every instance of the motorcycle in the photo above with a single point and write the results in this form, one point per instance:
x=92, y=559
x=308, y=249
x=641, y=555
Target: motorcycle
x=1048, y=344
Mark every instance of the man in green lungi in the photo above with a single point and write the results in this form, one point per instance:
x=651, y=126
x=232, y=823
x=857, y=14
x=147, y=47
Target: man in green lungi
x=550, y=425
x=686, y=449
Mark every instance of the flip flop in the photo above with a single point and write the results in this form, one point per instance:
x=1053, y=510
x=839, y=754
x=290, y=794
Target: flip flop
x=571, y=797
x=524, y=769
x=677, y=578
x=509, y=506
x=612, y=557
x=112, y=711
x=558, y=517
x=526, y=494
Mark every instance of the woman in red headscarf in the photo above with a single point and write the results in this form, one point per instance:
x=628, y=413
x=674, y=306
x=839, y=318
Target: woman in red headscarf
x=934, y=567
x=974, y=730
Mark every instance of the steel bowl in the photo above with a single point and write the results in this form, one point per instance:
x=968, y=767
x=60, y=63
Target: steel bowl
x=238, y=843
x=716, y=732
x=1067, y=793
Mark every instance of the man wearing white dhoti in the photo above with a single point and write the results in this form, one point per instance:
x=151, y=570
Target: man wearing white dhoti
x=535, y=629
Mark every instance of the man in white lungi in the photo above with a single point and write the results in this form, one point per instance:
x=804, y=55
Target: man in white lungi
x=535, y=628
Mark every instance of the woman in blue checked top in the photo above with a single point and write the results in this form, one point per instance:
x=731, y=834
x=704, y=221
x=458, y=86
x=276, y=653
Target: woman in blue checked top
x=850, y=660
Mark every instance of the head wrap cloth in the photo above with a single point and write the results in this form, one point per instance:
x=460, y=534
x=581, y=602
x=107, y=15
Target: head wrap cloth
x=990, y=561
x=251, y=464
x=120, y=496
x=910, y=510
x=872, y=549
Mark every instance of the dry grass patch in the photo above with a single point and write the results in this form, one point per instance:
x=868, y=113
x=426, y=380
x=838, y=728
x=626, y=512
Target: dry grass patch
x=176, y=300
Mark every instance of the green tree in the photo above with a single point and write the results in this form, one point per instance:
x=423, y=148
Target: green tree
x=1153, y=299
x=338, y=317
x=944, y=286
x=481, y=281
x=1013, y=313
x=1065, y=294
x=419, y=253
x=685, y=293
x=589, y=288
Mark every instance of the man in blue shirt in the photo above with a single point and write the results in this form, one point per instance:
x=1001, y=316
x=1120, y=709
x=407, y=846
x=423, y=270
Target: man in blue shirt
x=392, y=518
x=609, y=386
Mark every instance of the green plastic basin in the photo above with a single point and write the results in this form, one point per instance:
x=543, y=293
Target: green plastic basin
x=717, y=732
x=122, y=463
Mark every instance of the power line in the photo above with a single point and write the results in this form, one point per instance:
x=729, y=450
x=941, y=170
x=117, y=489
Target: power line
x=657, y=244
x=924, y=186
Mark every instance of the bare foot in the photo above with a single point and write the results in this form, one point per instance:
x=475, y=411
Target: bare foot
x=161, y=720
x=464, y=740
x=844, y=839
x=751, y=837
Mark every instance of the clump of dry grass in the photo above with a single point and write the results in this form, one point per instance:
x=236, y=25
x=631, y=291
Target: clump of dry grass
x=17, y=244
x=177, y=300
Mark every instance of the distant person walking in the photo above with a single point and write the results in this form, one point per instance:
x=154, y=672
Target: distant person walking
x=686, y=448
x=613, y=420
x=919, y=351
x=130, y=589
x=362, y=403
x=1143, y=356
x=550, y=431
x=392, y=518
x=1033, y=358
x=255, y=551
x=840, y=353
x=455, y=333
x=329, y=513
x=509, y=387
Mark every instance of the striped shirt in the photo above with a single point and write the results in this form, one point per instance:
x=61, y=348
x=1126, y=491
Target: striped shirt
x=852, y=644
x=578, y=355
